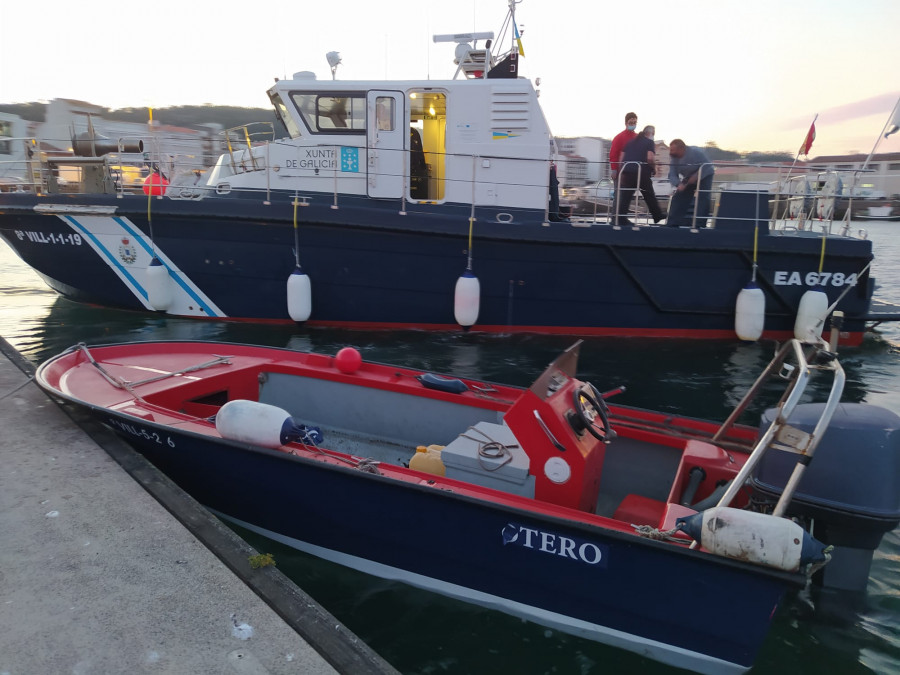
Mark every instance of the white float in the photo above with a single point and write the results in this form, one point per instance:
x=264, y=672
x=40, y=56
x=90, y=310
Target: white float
x=255, y=423
x=811, y=315
x=750, y=313
x=159, y=285
x=753, y=537
x=299, y=295
x=466, y=299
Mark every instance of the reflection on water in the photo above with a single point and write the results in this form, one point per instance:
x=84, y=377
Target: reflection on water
x=700, y=379
x=815, y=632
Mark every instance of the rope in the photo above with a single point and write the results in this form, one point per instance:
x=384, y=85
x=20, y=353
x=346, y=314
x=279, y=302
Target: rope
x=492, y=449
x=14, y=390
x=651, y=532
x=119, y=383
x=364, y=464
x=822, y=256
x=296, y=234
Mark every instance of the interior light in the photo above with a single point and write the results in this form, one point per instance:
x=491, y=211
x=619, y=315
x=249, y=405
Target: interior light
x=412, y=95
x=431, y=111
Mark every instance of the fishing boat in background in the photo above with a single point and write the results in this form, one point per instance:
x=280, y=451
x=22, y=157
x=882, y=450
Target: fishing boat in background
x=413, y=204
x=622, y=525
x=879, y=212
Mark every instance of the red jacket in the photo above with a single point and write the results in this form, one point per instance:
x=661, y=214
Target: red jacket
x=618, y=145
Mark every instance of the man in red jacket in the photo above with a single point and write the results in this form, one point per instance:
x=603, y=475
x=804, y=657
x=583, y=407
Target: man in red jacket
x=616, y=148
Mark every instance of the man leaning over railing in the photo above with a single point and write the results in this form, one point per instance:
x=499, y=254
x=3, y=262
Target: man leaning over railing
x=689, y=165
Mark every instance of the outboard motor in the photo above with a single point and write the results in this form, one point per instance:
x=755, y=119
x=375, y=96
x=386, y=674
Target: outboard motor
x=850, y=490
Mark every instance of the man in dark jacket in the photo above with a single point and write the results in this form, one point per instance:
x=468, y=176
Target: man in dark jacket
x=690, y=168
x=638, y=167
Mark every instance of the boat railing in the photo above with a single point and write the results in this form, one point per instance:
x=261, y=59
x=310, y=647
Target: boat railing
x=248, y=149
x=242, y=135
x=805, y=201
x=20, y=173
x=809, y=357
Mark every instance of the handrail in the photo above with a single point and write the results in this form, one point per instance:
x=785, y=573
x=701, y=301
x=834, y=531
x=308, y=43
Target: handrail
x=803, y=444
x=697, y=194
x=243, y=154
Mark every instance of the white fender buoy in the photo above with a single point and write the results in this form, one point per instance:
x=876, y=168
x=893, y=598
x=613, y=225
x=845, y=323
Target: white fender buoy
x=754, y=537
x=299, y=295
x=159, y=285
x=750, y=312
x=255, y=423
x=811, y=315
x=466, y=299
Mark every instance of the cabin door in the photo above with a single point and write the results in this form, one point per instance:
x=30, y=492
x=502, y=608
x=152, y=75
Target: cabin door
x=387, y=164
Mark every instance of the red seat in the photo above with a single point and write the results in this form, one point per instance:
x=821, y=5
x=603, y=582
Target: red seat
x=638, y=510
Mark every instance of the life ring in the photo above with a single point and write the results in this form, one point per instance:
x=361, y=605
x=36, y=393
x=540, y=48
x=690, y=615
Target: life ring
x=826, y=198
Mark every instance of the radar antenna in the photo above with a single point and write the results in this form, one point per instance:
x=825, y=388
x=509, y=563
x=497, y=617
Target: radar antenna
x=334, y=60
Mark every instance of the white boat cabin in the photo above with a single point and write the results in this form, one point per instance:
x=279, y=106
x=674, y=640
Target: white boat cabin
x=482, y=140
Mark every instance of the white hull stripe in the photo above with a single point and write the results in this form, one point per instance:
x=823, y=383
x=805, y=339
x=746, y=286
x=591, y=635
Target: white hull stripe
x=102, y=233
x=111, y=260
x=676, y=656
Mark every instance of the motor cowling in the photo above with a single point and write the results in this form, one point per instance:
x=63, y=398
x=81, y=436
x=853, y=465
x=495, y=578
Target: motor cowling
x=851, y=488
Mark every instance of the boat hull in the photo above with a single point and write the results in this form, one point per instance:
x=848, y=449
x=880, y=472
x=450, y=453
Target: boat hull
x=374, y=268
x=546, y=534
x=631, y=593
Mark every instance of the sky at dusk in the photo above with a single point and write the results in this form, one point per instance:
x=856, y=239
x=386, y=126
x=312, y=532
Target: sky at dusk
x=749, y=75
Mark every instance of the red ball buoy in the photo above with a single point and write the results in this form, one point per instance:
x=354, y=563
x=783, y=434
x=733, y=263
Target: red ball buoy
x=348, y=360
x=155, y=184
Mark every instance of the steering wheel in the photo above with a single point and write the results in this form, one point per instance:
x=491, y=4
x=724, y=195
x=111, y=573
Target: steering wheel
x=591, y=410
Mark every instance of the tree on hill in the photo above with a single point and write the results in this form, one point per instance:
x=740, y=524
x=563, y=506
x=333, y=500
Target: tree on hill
x=716, y=154
x=768, y=157
x=178, y=116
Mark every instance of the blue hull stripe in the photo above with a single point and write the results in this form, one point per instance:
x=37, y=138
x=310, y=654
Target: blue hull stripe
x=111, y=260
x=138, y=236
x=187, y=287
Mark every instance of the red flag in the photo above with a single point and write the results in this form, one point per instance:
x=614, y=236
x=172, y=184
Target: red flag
x=810, y=137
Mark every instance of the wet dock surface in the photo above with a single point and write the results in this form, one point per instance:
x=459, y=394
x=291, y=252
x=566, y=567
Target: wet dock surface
x=108, y=567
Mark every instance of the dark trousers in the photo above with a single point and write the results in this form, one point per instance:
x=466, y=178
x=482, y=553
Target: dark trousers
x=681, y=203
x=629, y=183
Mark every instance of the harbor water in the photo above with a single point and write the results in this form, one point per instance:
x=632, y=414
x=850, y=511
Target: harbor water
x=423, y=633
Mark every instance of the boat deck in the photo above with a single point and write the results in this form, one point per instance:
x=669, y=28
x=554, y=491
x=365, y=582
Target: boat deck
x=881, y=311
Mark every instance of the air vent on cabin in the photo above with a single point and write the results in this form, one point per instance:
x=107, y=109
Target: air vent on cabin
x=510, y=110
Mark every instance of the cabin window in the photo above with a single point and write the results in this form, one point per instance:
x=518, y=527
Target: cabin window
x=384, y=113
x=5, y=134
x=285, y=116
x=894, y=167
x=336, y=113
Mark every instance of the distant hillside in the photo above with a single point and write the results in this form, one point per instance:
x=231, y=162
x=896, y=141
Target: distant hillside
x=179, y=116
x=717, y=154
x=231, y=116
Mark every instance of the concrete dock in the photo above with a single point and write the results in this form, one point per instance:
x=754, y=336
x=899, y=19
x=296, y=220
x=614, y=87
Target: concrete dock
x=107, y=567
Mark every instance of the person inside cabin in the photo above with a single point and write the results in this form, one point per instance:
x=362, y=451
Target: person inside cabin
x=638, y=167
x=554, y=216
x=689, y=168
x=418, y=169
x=615, y=153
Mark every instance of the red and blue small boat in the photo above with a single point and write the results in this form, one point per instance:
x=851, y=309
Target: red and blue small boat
x=623, y=525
